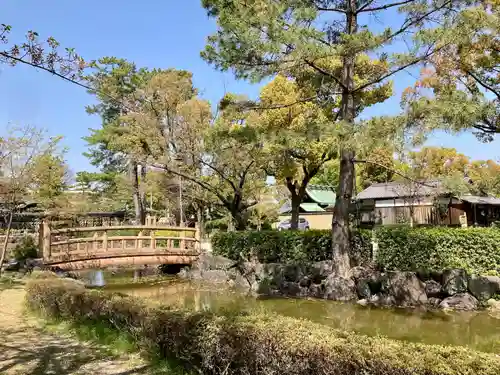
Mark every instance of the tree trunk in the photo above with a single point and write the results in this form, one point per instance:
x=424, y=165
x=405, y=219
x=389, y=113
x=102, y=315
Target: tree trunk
x=6, y=241
x=239, y=220
x=140, y=217
x=142, y=189
x=340, y=225
x=294, y=220
x=340, y=222
x=200, y=220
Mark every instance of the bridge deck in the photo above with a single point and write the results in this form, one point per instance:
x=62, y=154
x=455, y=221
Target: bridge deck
x=62, y=249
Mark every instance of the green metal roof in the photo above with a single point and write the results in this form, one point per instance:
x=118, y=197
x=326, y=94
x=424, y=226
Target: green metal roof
x=321, y=194
x=311, y=207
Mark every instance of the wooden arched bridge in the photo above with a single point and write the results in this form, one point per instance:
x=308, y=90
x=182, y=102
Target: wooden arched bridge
x=101, y=247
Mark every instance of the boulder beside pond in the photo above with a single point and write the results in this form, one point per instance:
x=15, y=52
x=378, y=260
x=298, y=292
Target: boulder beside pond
x=340, y=289
x=460, y=301
x=455, y=281
x=405, y=287
x=484, y=287
x=433, y=289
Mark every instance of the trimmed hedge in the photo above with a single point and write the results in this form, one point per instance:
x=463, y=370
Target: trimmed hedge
x=288, y=246
x=252, y=344
x=476, y=250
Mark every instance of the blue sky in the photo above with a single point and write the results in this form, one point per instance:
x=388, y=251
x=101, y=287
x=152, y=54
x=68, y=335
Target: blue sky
x=152, y=33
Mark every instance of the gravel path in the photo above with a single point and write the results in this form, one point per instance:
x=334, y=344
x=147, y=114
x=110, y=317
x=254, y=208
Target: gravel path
x=26, y=349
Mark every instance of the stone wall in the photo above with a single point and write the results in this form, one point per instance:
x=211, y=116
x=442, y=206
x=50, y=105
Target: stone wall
x=450, y=289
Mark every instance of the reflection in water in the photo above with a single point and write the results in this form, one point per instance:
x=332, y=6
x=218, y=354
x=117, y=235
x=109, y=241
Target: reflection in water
x=96, y=278
x=477, y=330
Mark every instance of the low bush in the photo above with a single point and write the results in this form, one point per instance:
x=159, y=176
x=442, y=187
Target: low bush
x=25, y=249
x=252, y=344
x=409, y=249
x=288, y=246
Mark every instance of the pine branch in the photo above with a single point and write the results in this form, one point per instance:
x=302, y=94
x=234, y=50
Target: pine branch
x=202, y=184
x=383, y=7
x=399, y=69
x=395, y=172
x=411, y=22
x=324, y=72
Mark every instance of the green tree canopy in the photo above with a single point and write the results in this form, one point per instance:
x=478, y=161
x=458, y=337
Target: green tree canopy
x=333, y=49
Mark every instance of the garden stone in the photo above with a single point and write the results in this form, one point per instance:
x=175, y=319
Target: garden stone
x=208, y=262
x=432, y=288
x=434, y=302
x=292, y=272
x=262, y=287
x=405, y=287
x=340, y=289
x=320, y=271
x=381, y=299
x=363, y=289
x=316, y=291
x=460, y=301
x=289, y=288
x=359, y=272
x=484, y=287
x=363, y=302
x=305, y=282
x=494, y=307
x=455, y=281
x=493, y=304
x=215, y=276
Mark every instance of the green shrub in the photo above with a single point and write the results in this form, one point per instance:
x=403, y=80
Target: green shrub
x=27, y=248
x=409, y=249
x=288, y=246
x=237, y=344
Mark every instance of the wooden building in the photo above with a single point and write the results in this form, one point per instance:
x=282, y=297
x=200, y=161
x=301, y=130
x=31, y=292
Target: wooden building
x=401, y=203
x=316, y=207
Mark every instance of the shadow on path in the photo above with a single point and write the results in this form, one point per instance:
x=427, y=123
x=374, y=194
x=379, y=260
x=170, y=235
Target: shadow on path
x=26, y=349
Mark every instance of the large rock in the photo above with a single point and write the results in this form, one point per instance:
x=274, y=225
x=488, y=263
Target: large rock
x=319, y=271
x=460, y=301
x=381, y=299
x=290, y=288
x=455, y=281
x=433, y=289
x=215, y=276
x=494, y=307
x=316, y=290
x=340, y=288
x=206, y=262
x=368, y=281
x=293, y=272
x=484, y=287
x=434, y=302
x=405, y=287
x=363, y=289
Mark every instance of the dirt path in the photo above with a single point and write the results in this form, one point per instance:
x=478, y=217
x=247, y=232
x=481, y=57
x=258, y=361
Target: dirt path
x=26, y=349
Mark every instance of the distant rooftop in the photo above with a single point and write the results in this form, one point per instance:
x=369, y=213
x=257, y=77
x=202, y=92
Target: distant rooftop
x=388, y=190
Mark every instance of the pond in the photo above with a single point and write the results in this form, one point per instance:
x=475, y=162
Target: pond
x=477, y=330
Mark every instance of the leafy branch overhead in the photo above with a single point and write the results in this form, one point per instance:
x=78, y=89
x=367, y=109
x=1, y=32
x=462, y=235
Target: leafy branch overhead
x=42, y=54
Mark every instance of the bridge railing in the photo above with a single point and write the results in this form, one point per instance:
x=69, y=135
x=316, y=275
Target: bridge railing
x=96, y=242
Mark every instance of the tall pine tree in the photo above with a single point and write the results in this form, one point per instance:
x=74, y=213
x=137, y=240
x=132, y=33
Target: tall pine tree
x=341, y=48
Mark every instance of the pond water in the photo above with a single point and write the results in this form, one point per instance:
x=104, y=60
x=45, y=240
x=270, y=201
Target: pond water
x=477, y=330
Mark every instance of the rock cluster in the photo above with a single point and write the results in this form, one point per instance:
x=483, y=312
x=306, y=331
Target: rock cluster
x=450, y=289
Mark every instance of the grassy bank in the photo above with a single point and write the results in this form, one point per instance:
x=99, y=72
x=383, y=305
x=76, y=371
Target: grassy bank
x=113, y=341
x=250, y=344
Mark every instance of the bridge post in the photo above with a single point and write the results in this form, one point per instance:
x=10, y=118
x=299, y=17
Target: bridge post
x=46, y=240
x=138, y=243
x=153, y=239
x=197, y=237
x=105, y=241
